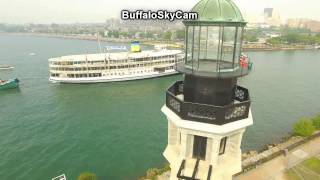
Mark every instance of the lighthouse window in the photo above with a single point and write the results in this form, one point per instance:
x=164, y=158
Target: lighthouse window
x=237, y=52
x=229, y=36
x=189, y=44
x=223, y=143
x=203, y=42
x=196, y=46
x=212, y=44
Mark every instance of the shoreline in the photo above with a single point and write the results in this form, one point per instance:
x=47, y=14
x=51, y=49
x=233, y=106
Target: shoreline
x=250, y=47
x=102, y=39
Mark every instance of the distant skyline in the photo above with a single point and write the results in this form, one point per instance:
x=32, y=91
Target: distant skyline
x=97, y=11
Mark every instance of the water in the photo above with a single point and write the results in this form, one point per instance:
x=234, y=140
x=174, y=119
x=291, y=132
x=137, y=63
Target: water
x=117, y=130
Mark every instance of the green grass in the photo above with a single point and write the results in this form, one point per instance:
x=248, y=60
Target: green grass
x=312, y=164
x=291, y=175
x=308, y=169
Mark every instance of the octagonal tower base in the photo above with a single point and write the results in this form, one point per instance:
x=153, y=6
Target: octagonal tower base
x=198, y=150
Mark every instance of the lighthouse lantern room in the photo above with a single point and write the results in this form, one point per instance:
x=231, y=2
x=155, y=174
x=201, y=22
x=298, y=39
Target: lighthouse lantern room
x=208, y=112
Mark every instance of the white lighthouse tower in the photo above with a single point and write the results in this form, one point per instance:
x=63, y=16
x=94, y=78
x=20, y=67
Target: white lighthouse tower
x=208, y=112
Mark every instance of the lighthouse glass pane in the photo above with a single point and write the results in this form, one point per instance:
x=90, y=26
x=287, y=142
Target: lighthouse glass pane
x=213, y=43
x=227, y=54
x=203, y=42
x=238, y=47
x=210, y=41
x=189, y=46
x=196, y=48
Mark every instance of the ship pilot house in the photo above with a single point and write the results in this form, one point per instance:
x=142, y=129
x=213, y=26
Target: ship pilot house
x=208, y=112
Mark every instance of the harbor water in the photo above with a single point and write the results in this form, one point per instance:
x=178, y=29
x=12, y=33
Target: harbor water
x=116, y=130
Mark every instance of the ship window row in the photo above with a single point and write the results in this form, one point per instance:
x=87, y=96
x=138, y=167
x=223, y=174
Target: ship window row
x=84, y=75
x=104, y=61
x=54, y=75
x=75, y=62
x=107, y=67
x=111, y=74
x=152, y=58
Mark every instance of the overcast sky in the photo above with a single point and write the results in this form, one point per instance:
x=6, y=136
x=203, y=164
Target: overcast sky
x=92, y=11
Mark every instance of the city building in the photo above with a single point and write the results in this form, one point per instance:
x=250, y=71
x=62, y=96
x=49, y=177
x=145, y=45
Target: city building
x=272, y=17
x=208, y=112
x=312, y=25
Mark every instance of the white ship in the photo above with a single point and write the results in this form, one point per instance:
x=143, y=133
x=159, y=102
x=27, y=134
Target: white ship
x=111, y=67
x=6, y=67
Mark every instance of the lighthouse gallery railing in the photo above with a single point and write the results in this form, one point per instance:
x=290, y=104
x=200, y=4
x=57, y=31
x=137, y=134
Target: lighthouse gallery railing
x=208, y=113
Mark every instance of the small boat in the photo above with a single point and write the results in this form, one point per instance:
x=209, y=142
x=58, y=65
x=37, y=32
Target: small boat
x=32, y=54
x=10, y=84
x=61, y=177
x=6, y=67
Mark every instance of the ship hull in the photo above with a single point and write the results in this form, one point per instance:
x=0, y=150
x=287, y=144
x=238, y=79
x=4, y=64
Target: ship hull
x=11, y=84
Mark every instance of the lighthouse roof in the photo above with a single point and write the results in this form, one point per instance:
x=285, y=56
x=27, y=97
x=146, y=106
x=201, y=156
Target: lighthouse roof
x=217, y=11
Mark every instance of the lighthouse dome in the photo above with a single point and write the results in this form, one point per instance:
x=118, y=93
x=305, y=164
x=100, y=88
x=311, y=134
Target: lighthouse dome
x=218, y=11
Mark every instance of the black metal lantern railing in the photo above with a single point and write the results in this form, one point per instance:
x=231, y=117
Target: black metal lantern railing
x=207, y=113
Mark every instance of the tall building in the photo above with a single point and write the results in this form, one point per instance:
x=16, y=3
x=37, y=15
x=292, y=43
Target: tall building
x=312, y=25
x=272, y=17
x=208, y=112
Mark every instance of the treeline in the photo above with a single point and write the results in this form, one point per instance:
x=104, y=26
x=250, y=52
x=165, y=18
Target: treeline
x=285, y=35
x=295, y=38
x=12, y=28
x=166, y=35
x=92, y=29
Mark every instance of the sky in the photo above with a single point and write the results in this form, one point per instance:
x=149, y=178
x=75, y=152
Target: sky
x=97, y=11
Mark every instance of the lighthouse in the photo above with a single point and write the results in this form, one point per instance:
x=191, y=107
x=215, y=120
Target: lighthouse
x=208, y=111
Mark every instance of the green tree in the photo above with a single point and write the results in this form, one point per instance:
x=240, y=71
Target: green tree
x=124, y=34
x=116, y=34
x=316, y=122
x=180, y=34
x=292, y=38
x=110, y=33
x=87, y=176
x=149, y=34
x=274, y=41
x=250, y=37
x=167, y=35
x=295, y=38
x=304, y=127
